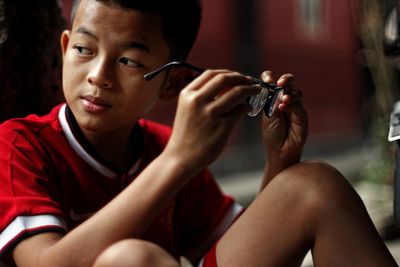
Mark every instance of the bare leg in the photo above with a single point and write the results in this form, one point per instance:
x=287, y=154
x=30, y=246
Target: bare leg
x=308, y=206
x=135, y=253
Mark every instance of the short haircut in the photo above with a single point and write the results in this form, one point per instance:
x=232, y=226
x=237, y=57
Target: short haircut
x=180, y=20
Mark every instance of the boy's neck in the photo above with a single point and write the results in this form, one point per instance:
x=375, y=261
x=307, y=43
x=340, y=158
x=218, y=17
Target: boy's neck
x=121, y=148
x=112, y=146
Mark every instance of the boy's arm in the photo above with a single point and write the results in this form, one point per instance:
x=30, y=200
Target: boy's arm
x=207, y=111
x=285, y=134
x=127, y=215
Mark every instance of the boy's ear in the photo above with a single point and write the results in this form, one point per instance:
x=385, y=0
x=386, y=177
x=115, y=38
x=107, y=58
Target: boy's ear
x=64, y=40
x=177, y=79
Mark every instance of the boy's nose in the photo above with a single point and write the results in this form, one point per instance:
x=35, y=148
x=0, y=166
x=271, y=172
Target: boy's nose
x=100, y=74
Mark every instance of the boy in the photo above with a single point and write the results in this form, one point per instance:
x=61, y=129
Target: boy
x=92, y=184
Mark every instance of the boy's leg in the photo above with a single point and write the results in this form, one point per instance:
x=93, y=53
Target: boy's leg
x=308, y=206
x=135, y=253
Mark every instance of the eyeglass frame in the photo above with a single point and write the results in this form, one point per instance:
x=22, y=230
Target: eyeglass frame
x=267, y=106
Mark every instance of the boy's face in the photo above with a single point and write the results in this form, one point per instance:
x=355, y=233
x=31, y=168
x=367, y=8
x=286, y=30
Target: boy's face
x=106, y=54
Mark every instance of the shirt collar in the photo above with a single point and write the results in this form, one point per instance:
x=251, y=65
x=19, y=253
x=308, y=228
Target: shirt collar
x=85, y=150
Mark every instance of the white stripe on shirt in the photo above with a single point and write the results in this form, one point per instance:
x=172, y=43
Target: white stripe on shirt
x=23, y=224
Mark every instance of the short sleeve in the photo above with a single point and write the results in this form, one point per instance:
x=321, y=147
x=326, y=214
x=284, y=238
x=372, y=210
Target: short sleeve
x=206, y=213
x=27, y=198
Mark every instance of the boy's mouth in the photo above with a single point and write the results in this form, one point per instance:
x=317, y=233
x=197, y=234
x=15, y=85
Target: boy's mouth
x=94, y=104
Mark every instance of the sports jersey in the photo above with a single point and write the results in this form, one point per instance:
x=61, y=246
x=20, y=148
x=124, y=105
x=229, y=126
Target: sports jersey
x=51, y=179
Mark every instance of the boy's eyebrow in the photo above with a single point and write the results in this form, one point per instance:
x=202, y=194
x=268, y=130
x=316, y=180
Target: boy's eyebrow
x=137, y=45
x=86, y=31
x=132, y=44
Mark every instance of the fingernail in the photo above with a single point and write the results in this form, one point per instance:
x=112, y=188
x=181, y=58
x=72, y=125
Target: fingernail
x=266, y=73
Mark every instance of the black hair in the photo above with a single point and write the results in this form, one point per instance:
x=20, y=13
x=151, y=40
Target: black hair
x=180, y=20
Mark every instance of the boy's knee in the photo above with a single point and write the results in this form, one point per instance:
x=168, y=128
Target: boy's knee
x=135, y=253
x=317, y=186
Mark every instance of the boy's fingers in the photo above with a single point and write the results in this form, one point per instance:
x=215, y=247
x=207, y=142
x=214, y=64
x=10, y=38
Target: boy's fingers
x=287, y=81
x=292, y=102
x=214, y=83
x=203, y=78
x=233, y=98
x=295, y=108
x=293, y=95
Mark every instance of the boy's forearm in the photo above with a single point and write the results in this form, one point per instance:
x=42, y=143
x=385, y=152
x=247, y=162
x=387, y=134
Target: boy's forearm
x=127, y=216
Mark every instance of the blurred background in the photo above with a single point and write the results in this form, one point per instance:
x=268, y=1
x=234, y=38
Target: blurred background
x=334, y=48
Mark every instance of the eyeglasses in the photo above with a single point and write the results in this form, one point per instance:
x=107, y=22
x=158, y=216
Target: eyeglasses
x=268, y=99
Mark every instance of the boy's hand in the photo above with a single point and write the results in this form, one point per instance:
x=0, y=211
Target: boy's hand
x=284, y=134
x=207, y=111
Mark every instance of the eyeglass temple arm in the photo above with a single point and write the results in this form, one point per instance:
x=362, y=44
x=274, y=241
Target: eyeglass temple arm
x=154, y=73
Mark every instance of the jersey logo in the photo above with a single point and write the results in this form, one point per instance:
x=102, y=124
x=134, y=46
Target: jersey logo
x=80, y=216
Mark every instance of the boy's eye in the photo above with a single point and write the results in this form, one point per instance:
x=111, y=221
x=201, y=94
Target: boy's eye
x=129, y=62
x=82, y=50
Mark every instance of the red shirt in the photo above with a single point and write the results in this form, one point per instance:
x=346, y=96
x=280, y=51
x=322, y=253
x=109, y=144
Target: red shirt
x=51, y=180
